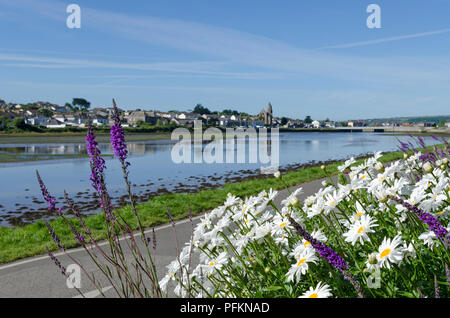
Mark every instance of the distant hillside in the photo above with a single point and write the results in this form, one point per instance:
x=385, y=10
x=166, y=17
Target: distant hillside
x=418, y=119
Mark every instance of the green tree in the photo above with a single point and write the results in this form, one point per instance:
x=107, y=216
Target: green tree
x=45, y=112
x=84, y=104
x=212, y=122
x=284, y=121
x=4, y=122
x=199, y=109
x=229, y=112
x=19, y=123
x=308, y=120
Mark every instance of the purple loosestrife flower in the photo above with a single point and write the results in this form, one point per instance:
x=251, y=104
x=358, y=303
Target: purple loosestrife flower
x=97, y=167
x=57, y=263
x=328, y=254
x=97, y=162
x=47, y=197
x=118, y=137
x=324, y=251
x=421, y=142
x=433, y=223
x=447, y=273
x=55, y=237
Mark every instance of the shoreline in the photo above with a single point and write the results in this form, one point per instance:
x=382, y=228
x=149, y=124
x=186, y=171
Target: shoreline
x=34, y=239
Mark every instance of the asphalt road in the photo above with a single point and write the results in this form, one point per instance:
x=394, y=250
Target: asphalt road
x=39, y=277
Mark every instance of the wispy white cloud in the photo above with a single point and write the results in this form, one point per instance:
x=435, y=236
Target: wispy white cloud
x=211, y=69
x=384, y=40
x=228, y=50
x=237, y=48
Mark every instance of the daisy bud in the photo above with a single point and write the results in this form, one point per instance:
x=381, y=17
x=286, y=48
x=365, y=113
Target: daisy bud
x=323, y=167
x=267, y=269
x=351, y=175
x=293, y=201
x=427, y=167
x=277, y=175
x=381, y=196
x=379, y=166
x=445, y=161
x=324, y=183
x=443, y=167
x=309, y=202
x=405, y=156
x=373, y=259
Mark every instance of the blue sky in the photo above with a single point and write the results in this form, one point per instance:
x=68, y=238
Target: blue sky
x=314, y=58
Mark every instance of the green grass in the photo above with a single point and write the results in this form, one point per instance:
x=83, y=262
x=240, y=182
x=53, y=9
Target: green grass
x=8, y=157
x=72, y=137
x=33, y=239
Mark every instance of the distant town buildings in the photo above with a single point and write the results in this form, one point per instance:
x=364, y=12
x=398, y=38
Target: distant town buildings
x=50, y=115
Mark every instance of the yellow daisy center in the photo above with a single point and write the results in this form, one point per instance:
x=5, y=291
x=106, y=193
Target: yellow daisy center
x=385, y=253
x=300, y=262
x=360, y=229
x=359, y=214
x=211, y=264
x=283, y=224
x=313, y=295
x=306, y=244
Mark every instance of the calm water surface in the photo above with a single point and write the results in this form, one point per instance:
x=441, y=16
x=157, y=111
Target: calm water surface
x=152, y=171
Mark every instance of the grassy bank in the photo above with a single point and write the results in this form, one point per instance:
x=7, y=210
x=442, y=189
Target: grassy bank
x=8, y=157
x=62, y=137
x=29, y=240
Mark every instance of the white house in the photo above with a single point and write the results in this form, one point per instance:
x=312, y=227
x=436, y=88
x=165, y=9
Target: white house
x=100, y=120
x=315, y=123
x=53, y=123
x=35, y=120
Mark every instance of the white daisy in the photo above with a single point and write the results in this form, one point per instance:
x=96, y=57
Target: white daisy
x=301, y=266
x=360, y=229
x=215, y=263
x=321, y=291
x=390, y=251
x=429, y=238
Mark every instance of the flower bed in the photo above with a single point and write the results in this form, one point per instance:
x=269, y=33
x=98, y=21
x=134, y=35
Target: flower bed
x=382, y=231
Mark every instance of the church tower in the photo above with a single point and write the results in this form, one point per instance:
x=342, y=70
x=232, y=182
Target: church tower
x=269, y=115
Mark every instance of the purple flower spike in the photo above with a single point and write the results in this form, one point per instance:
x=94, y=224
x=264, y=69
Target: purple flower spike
x=324, y=251
x=55, y=237
x=118, y=137
x=97, y=162
x=97, y=167
x=47, y=197
x=433, y=224
x=328, y=254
